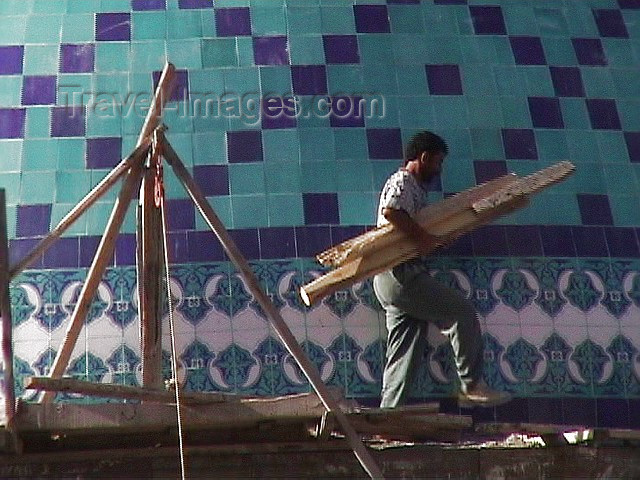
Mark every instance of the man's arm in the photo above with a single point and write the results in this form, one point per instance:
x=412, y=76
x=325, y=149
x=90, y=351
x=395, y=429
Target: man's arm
x=425, y=242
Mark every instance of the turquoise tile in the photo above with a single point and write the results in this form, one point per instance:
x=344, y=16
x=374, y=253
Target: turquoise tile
x=115, y=5
x=612, y=146
x=282, y=177
x=208, y=20
x=285, y=210
x=478, y=80
x=444, y=50
x=12, y=216
x=376, y=49
x=523, y=168
x=247, y=178
x=241, y=80
x=75, y=89
x=382, y=169
x=486, y=143
x=268, y=20
x=219, y=52
x=185, y=54
x=184, y=24
x=83, y=6
x=104, y=123
x=624, y=209
x=71, y=154
x=72, y=185
x=580, y=20
x=148, y=56
x=249, y=211
x=515, y=112
x=183, y=146
x=10, y=182
x=620, y=179
x=435, y=23
x=337, y=19
x=457, y=176
x=179, y=116
x=318, y=177
x=354, y=176
x=78, y=27
x=316, y=144
x=560, y=208
x=552, y=145
x=40, y=155
x=281, y=145
x=37, y=187
x=303, y=20
x=381, y=80
x=96, y=218
x=209, y=148
x=629, y=111
x=312, y=112
x=459, y=142
x=306, y=49
x=275, y=80
x=13, y=29
x=148, y=25
x=37, y=122
x=619, y=52
x=551, y=21
x=351, y=144
x=41, y=59
x=43, y=28
x=589, y=178
x=357, y=208
x=418, y=112
x=583, y=146
x=574, y=113
x=13, y=7
x=10, y=90
x=47, y=6
x=390, y=118
x=411, y=48
x=597, y=82
x=11, y=155
x=113, y=57
x=626, y=81
x=244, y=46
x=345, y=78
x=520, y=19
x=412, y=80
x=559, y=51
x=222, y=208
x=406, y=19
x=478, y=49
x=484, y=112
x=539, y=82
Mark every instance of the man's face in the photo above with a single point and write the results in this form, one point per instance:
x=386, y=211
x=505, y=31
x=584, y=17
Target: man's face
x=431, y=165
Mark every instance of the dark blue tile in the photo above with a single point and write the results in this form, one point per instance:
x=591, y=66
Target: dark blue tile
x=610, y=23
x=629, y=4
x=180, y=214
x=113, y=27
x=545, y=410
x=486, y=170
x=68, y=121
x=39, y=90
x=186, y=4
x=278, y=112
x=88, y=247
x=180, y=90
x=340, y=49
x=309, y=79
x=62, y=254
x=19, y=248
x=567, y=81
x=33, y=220
x=524, y=240
x=11, y=59
x=622, y=242
x=594, y=209
x=519, y=143
x=545, y=112
x=444, y=79
x=233, y=22
x=603, y=114
x=612, y=413
x=312, y=240
x=244, y=146
x=272, y=50
x=320, y=208
x=341, y=233
x=557, y=241
x=247, y=242
x=77, y=58
x=527, y=50
x=579, y=411
x=371, y=18
x=487, y=20
x=212, y=179
x=12, y=122
x=634, y=403
x=177, y=247
x=403, y=2
x=103, y=152
x=384, y=143
x=489, y=240
x=515, y=411
x=463, y=246
x=590, y=242
x=277, y=243
x=589, y=51
x=480, y=415
x=138, y=5
x=204, y=247
x=632, y=140
x=126, y=249
x=347, y=112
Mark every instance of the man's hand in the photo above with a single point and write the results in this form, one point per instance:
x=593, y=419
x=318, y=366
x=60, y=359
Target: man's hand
x=424, y=241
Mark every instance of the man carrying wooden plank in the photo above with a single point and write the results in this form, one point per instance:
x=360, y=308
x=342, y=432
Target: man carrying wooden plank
x=412, y=299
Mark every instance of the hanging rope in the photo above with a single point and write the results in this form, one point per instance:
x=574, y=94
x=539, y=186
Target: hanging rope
x=159, y=202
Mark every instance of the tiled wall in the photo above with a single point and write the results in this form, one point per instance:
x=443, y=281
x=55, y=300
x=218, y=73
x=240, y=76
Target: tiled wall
x=291, y=167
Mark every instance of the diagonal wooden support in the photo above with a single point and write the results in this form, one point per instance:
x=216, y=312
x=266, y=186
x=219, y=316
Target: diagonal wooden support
x=278, y=323
x=5, y=312
x=94, y=275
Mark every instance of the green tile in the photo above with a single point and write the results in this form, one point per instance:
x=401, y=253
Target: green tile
x=597, y=82
x=484, y=112
x=41, y=59
x=249, y=211
x=375, y=49
x=539, y=82
x=43, y=28
x=147, y=56
x=282, y=177
x=357, y=208
x=478, y=49
x=574, y=113
x=148, y=25
x=75, y=89
x=72, y=185
x=316, y=144
x=381, y=81
x=551, y=21
x=37, y=122
x=104, y=124
x=97, y=217
x=626, y=81
x=486, y=143
x=219, y=52
x=113, y=57
x=10, y=182
x=275, y=80
x=561, y=209
x=185, y=54
x=40, y=155
x=184, y=24
x=391, y=117
x=247, y=178
x=47, y=6
x=345, y=78
x=306, y=49
x=351, y=144
x=268, y=20
x=12, y=151
x=435, y=23
x=13, y=29
x=78, y=27
x=285, y=210
x=354, y=176
x=552, y=145
x=589, y=178
x=318, y=177
x=619, y=52
x=515, y=112
x=37, y=187
x=71, y=154
x=12, y=216
x=406, y=18
x=478, y=80
x=418, y=112
x=222, y=208
x=115, y=5
x=10, y=90
x=457, y=177
x=612, y=147
x=411, y=79
x=559, y=51
x=629, y=111
x=624, y=209
x=183, y=146
x=520, y=19
x=281, y=145
x=382, y=169
x=83, y=6
x=620, y=179
x=509, y=79
x=445, y=50
x=209, y=148
x=241, y=80
x=245, y=51
x=411, y=49
x=303, y=20
x=458, y=139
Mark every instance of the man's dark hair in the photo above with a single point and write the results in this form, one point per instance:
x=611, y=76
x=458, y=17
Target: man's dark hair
x=424, y=142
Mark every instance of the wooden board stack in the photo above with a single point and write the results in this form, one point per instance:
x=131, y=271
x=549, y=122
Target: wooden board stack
x=385, y=247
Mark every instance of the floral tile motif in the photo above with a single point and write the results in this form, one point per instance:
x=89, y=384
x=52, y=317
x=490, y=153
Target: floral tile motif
x=547, y=273
x=123, y=364
x=122, y=283
x=230, y=296
x=591, y=359
x=191, y=281
x=581, y=291
x=196, y=360
x=515, y=291
x=234, y=364
x=523, y=359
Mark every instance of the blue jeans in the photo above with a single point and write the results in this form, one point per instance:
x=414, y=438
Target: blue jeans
x=412, y=300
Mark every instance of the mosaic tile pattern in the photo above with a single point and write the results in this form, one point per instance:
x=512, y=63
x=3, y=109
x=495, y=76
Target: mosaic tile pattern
x=277, y=114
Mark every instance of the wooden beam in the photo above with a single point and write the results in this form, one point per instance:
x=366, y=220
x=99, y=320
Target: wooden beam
x=5, y=311
x=276, y=320
x=94, y=275
x=127, y=392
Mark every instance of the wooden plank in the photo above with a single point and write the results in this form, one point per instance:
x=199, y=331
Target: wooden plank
x=94, y=275
x=276, y=320
x=109, y=390
x=5, y=311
